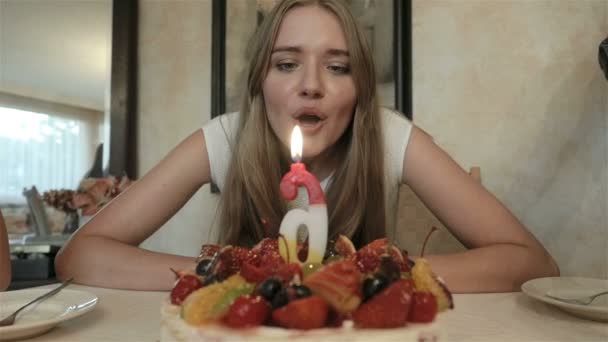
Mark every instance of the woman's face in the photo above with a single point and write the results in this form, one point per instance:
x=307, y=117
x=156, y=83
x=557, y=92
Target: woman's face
x=309, y=82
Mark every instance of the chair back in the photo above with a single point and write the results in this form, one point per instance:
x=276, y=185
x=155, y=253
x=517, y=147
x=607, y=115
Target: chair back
x=414, y=221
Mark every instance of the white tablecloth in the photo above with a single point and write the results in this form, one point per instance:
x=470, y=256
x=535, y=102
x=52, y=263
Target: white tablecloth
x=135, y=316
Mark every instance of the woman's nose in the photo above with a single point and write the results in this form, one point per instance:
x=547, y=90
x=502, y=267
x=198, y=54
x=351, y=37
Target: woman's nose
x=311, y=84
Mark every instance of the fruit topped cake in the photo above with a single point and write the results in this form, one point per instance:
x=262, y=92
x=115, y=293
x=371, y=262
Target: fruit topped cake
x=237, y=293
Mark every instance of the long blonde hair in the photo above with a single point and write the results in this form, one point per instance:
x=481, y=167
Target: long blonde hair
x=252, y=207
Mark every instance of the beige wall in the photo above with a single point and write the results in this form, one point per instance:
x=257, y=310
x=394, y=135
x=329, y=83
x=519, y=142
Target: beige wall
x=174, y=100
x=515, y=87
x=511, y=86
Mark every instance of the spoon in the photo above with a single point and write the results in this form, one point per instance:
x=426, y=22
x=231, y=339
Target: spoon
x=582, y=300
x=10, y=320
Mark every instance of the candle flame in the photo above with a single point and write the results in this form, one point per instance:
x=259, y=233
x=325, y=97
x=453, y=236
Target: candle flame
x=296, y=144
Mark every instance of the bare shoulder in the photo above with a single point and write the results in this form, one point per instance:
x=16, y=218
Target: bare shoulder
x=192, y=152
x=422, y=154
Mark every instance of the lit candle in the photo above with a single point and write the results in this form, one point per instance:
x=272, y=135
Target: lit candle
x=315, y=219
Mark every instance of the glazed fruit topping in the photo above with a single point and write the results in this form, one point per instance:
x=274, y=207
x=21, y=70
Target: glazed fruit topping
x=388, y=309
x=200, y=306
x=185, y=285
x=339, y=283
x=283, y=272
x=280, y=299
x=247, y=311
x=269, y=288
x=424, y=307
x=375, y=287
x=205, y=266
x=231, y=259
x=369, y=258
x=306, y=313
x=426, y=280
x=301, y=291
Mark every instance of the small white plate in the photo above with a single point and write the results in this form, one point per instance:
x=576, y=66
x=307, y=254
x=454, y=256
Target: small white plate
x=571, y=287
x=41, y=317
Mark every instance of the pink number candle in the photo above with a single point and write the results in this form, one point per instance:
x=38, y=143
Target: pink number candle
x=315, y=219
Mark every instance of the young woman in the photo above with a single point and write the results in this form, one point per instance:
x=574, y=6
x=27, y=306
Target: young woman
x=311, y=67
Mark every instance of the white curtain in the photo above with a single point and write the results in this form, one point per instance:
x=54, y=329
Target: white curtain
x=48, y=151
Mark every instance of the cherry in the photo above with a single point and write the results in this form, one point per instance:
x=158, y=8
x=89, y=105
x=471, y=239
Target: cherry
x=426, y=240
x=424, y=307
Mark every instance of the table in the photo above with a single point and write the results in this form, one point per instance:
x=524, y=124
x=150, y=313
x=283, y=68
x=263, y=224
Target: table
x=122, y=315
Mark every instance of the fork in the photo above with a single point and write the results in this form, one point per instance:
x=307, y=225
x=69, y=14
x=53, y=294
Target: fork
x=582, y=300
x=10, y=320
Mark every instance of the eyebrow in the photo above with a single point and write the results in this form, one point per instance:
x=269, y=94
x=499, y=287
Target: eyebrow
x=331, y=52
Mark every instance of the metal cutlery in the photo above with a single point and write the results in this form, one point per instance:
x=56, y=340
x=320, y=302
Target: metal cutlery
x=580, y=300
x=10, y=320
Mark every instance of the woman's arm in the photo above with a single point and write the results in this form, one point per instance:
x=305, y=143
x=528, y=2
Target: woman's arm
x=502, y=255
x=5, y=257
x=105, y=251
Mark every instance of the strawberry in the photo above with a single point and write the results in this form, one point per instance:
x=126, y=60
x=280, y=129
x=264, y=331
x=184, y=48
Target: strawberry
x=424, y=307
x=339, y=283
x=306, y=313
x=336, y=319
x=284, y=272
x=186, y=284
x=247, y=311
x=254, y=274
x=265, y=249
x=231, y=259
x=270, y=260
x=388, y=309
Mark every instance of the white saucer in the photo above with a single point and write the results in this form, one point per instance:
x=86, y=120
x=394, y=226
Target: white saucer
x=41, y=317
x=571, y=287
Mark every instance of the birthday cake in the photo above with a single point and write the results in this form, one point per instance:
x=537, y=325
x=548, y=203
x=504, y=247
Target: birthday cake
x=240, y=294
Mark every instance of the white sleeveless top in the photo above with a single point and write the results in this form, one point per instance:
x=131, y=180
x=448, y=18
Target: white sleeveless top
x=220, y=135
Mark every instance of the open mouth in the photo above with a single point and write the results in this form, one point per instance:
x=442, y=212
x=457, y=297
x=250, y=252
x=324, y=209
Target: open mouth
x=308, y=119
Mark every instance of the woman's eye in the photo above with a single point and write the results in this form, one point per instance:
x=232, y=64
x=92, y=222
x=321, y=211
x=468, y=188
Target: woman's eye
x=286, y=66
x=339, y=69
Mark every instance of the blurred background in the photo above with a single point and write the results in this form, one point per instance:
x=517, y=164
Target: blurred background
x=513, y=87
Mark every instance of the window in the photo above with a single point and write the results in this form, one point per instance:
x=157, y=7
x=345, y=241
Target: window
x=48, y=151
